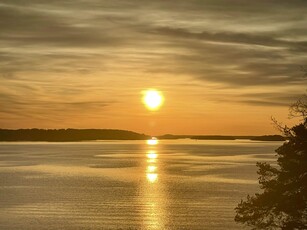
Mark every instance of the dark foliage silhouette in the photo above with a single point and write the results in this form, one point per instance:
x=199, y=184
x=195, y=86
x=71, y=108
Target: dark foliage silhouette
x=282, y=204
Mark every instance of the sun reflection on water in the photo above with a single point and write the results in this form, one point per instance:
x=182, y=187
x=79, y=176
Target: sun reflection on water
x=152, y=154
x=152, y=141
x=151, y=168
x=153, y=196
x=151, y=160
x=152, y=177
x=151, y=174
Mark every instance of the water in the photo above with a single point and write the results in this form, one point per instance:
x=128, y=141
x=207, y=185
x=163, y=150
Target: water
x=178, y=184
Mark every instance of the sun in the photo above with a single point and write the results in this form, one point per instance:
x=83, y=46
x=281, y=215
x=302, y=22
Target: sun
x=153, y=99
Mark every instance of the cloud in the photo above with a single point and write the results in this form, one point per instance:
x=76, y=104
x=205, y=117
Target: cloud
x=269, y=99
x=234, y=38
x=48, y=109
x=235, y=46
x=233, y=58
x=25, y=25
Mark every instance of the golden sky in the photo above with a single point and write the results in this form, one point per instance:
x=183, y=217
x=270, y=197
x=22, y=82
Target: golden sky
x=224, y=67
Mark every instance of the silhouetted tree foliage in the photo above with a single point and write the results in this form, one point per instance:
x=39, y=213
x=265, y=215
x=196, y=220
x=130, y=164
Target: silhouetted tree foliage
x=299, y=109
x=282, y=204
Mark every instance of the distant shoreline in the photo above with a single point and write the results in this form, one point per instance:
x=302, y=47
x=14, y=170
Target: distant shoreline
x=78, y=135
x=223, y=137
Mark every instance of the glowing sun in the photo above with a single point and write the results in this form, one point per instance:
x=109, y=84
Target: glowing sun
x=153, y=99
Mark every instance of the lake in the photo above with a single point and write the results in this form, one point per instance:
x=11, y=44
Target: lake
x=172, y=184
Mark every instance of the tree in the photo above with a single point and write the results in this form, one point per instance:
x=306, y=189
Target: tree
x=283, y=202
x=299, y=109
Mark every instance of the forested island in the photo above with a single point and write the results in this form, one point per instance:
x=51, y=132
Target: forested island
x=62, y=135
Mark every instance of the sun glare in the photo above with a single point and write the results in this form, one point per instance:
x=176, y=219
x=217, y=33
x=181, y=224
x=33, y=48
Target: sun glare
x=151, y=168
x=152, y=155
x=152, y=141
x=152, y=177
x=153, y=99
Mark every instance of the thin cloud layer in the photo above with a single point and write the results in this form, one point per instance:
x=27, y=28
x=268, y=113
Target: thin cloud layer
x=242, y=52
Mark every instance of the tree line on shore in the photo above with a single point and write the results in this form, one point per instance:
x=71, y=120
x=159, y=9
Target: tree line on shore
x=62, y=135
x=69, y=135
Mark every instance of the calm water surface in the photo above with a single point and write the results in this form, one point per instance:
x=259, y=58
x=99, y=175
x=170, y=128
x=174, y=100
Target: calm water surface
x=179, y=184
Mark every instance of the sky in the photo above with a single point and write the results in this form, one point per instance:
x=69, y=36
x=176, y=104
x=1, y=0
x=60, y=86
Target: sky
x=224, y=67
